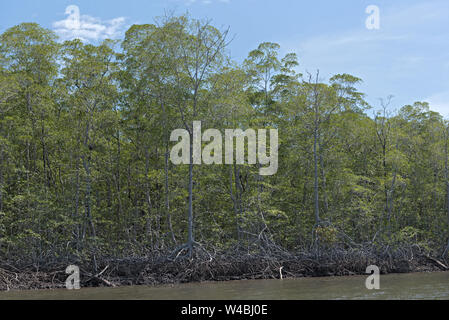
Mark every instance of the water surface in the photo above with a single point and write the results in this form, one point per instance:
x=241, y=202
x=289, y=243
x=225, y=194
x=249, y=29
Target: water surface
x=433, y=285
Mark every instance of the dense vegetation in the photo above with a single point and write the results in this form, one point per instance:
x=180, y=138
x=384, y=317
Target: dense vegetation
x=85, y=143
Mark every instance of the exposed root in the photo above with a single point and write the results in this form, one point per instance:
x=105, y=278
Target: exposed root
x=271, y=262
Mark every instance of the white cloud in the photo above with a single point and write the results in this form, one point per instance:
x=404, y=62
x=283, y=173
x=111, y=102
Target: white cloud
x=408, y=48
x=419, y=15
x=190, y=2
x=399, y=25
x=439, y=102
x=87, y=28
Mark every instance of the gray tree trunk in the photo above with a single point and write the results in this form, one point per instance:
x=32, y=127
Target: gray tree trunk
x=316, y=186
x=190, y=240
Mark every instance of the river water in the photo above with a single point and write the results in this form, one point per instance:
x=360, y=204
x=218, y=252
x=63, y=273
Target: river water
x=433, y=285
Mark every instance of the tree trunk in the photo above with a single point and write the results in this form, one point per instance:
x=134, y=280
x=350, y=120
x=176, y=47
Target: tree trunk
x=166, y=167
x=86, y=164
x=316, y=190
x=190, y=240
x=323, y=175
x=148, y=197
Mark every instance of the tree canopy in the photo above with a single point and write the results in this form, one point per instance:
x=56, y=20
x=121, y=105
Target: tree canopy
x=84, y=150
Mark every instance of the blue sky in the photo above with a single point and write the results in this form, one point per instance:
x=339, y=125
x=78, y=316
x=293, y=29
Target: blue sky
x=408, y=57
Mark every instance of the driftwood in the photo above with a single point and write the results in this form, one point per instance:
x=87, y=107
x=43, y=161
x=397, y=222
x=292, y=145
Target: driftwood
x=438, y=263
x=99, y=278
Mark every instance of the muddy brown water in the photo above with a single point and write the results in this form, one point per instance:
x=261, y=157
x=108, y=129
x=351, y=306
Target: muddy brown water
x=434, y=285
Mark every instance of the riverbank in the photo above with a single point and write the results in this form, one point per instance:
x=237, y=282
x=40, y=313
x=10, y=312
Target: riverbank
x=204, y=266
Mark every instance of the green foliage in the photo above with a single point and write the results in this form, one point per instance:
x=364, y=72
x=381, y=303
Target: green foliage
x=84, y=149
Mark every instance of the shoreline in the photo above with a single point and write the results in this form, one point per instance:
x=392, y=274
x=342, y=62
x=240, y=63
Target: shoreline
x=174, y=285
x=159, y=271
